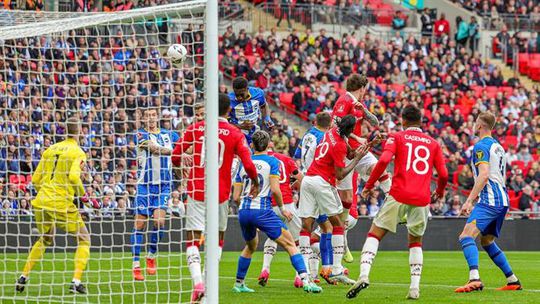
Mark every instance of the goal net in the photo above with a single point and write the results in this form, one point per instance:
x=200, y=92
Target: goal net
x=106, y=69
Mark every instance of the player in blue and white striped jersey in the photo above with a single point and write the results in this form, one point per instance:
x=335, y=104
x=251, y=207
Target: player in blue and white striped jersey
x=154, y=183
x=309, y=142
x=248, y=105
x=489, y=190
x=257, y=213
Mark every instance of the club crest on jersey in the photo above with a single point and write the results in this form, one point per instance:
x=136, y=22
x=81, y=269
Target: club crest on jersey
x=390, y=140
x=479, y=154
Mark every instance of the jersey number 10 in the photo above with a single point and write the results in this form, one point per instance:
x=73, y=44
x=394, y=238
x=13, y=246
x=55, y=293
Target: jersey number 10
x=221, y=150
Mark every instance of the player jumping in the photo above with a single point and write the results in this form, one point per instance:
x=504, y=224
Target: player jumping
x=248, y=105
x=416, y=153
x=289, y=179
x=488, y=163
x=351, y=103
x=154, y=148
x=256, y=214
x=232, y=142
x=58, y=180
x=318, y=194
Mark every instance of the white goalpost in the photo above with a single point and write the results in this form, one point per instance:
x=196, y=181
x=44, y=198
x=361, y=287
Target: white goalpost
x=105, y=69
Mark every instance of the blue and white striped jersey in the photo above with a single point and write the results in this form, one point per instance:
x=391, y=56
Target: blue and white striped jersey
x=306, y=148
x=267, y=167
x=154, y=169
x=248, y=110
x=490, y=152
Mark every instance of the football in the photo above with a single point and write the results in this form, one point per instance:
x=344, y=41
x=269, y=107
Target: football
x=177, y=54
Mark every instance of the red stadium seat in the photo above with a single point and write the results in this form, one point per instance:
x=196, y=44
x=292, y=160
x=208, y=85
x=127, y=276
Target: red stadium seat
x=523, y=60
x=251, y=60
x=286, y=98
x=511, y=140
x=398, y=88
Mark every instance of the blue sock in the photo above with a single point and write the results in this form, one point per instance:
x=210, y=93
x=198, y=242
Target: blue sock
x=329, y=249
x=155, y=236
x=324, y=252
x=243, y=266
x=498, y=257
x=136, y=241
x=470, y=251
x=298, y=263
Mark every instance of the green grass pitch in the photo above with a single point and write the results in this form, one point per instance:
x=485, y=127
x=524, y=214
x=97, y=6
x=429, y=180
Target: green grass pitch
x=110, y=275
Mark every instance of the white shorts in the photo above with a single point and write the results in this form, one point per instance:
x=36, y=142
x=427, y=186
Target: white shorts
x=317, y=197
x=295, y=225
x=351, y=222
x=393, y=212
x=363, y=168
x=196, y=215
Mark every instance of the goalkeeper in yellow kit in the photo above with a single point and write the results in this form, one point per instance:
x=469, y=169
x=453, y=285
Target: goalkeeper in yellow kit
x=58, y=180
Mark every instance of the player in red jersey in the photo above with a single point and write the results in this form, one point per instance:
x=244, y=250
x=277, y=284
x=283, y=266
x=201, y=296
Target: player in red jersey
x=318, y=193
x=290, y=176
x=350, y=103
x=416, y=153
x=231, y=142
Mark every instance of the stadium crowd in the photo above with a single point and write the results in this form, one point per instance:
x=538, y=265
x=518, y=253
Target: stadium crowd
x=107, y=81
x=304, y=72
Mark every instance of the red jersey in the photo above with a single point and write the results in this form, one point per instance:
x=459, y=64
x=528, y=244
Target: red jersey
x=416, y=153
x=345, y=106
x=330, y=153
x=286, y=168
x=231, y=142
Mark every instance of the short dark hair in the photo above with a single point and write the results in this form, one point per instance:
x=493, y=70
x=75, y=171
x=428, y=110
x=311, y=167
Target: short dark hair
x=72, y=125
x=355, y=82
x=224, y=104
x=260, y=140
x=411, y=114
x=323, y=120
x=239, y=83
x=346, y=125
x=199, y=106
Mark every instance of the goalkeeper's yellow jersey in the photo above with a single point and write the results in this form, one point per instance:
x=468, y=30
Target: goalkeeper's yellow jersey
x=58, y=176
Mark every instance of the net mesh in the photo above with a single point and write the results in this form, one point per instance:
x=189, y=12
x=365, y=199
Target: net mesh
x=105, y=69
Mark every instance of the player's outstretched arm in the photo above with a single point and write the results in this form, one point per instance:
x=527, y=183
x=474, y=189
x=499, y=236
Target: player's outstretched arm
x=237, y=191
x=479, y=184
x=157, y=149
x=342, y=172
x=368, y=116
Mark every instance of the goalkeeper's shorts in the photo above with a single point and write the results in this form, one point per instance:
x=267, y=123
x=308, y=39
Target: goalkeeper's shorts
x=69, y=221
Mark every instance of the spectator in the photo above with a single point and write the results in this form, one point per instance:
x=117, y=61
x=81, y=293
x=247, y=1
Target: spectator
x=280, y=140
x=462, y=33
x=517, y=183
x=474, y=34
x=442, y=28
x=524, y=155
x=526, y=201
x=285, y=9
x=465, y=178
x=455, y=207
x=427, y=23
x=373, y=206
x=398, y=21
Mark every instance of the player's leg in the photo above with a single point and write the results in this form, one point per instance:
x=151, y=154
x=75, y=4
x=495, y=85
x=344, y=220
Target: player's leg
x=496, y=254
x=315, y=256
x=386, y=220
x=417, y=218
x=345, y=190
x=364, y=168
x=157, y=233
x=349, y=224
x=250, y=235
x=308, y=212
x=139, y=226
x=195, y=220
x=81, y=255
x=326, y=249
x=269, y=250
x=45, y=226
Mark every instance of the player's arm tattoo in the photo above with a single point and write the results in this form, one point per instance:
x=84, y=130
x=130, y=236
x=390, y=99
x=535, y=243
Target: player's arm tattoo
x=370, y=117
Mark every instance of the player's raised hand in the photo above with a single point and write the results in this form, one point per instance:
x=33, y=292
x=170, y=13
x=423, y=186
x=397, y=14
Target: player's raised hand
x=435, y=197
x=286, y=214
x=379, y=138
x=246, y=125
x=366, y=193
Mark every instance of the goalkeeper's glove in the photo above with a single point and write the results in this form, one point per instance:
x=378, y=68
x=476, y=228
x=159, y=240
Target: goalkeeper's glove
x=268, y=122
x=90, y=203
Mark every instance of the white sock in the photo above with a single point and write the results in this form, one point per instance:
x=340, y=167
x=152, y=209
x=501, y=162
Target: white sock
x=136, y=264
x=76, y=282
x=150, y=255
x=416, y=260
x=474, y=274
x=305, y=248
x=220, y=252
x=369, y=251
x=512, y=279
x=338, y=248
x=386, y=185
x=270, y=248
x=194, y=263
x=314, y=259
